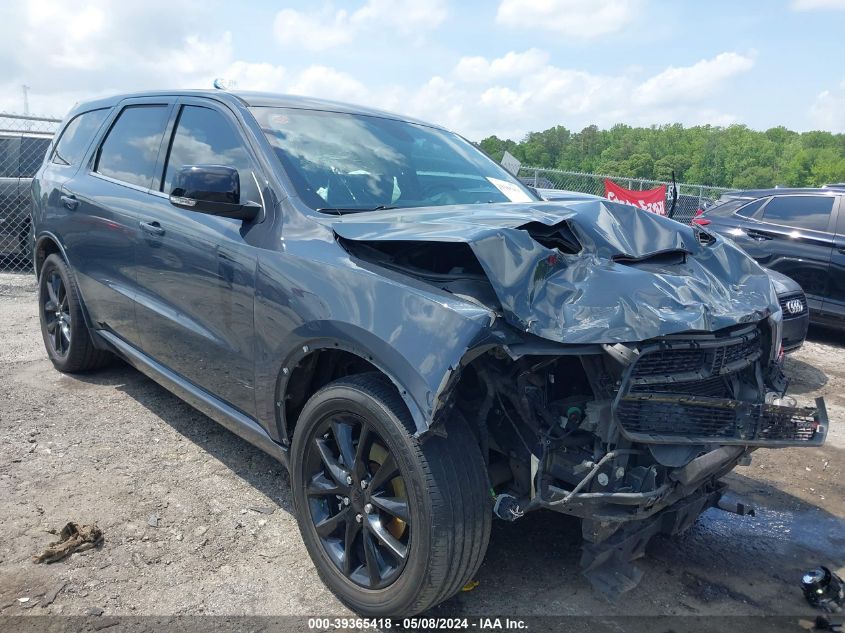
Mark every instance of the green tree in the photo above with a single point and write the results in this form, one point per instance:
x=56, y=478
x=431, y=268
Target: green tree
x=733, y=156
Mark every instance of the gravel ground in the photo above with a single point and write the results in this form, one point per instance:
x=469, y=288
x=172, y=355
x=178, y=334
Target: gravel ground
x=197, y=521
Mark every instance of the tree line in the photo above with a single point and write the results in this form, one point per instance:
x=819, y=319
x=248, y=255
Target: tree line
x=733, y=156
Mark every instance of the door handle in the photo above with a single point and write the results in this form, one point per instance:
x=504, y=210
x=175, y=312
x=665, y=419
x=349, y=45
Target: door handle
x=153, y=228
x=70, y=202
x=841, y=249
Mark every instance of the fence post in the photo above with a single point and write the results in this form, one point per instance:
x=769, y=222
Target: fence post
x=536, y=174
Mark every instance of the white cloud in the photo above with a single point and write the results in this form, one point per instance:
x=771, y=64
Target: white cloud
x=407, y=16
x=313, y=31
x=828, y=110
x=256, y=76
x=513, y=64
x=573, y=18
x=522, y=91
x=325, y=28
x=124, y=47
x=811, y=5
x=328, y=83
x=692, y=83
x=73, y=50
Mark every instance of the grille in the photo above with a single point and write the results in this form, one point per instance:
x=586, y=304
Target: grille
x=672, y=417
x=675, y=417
x=730, y=354
x=714, y=386
x=713, y=359
x=786, y=299
x=667, y=362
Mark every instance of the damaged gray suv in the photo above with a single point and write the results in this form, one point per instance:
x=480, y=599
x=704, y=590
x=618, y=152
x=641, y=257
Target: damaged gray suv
x=421, y=340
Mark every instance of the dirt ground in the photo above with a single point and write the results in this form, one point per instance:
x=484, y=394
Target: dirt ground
x=197, y=521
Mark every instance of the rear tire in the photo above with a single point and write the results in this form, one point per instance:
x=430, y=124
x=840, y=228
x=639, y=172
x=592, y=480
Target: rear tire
x=66, y=336
x=440, y=488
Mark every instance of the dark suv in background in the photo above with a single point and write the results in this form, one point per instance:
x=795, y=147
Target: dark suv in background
x=20, y=157
x=798, y=232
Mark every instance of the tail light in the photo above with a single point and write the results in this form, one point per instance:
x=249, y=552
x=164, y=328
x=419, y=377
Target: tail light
x=699, y=220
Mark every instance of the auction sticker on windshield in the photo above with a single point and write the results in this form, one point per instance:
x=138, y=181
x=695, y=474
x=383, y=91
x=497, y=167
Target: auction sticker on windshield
x=513, y=193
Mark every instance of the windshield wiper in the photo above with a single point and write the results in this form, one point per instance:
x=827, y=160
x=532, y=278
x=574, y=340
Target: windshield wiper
x=343, y=210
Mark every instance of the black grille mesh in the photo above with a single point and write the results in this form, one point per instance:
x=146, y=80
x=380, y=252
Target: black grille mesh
x=674, y=416
x=668, y=362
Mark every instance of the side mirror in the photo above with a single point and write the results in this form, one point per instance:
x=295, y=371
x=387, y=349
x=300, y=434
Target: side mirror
x=211, y=189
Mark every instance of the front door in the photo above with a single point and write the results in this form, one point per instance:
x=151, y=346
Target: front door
x=196, y=272
x=793, y=236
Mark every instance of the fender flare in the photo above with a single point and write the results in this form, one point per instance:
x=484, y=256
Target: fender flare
x=421, y=396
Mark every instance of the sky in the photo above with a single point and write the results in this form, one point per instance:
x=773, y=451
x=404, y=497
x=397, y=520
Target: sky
x=504, y=67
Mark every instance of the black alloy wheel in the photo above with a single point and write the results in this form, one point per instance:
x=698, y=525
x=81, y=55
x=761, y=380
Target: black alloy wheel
x=358, y=501
x=394, y=523
x=67, y=339
x=56, y=313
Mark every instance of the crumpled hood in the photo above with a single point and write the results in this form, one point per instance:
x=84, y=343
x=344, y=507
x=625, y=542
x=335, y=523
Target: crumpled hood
x=637, y=275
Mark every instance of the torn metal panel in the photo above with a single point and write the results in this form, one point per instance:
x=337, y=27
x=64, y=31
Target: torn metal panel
x=636, y=276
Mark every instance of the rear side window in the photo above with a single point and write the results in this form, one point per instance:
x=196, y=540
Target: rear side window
x=9, y=157
x=751, y=208
x=204, y=137
x=130, y=150
x=802, y=212
x=33, y=151
x=76, y=136
x=725, y=208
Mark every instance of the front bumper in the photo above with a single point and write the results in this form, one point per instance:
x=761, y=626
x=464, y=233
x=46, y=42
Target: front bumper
x=677, y=392
x=794, y=332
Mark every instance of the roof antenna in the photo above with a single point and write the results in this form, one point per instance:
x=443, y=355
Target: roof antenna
x=224, y=84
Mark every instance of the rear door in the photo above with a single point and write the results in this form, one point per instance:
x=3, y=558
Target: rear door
x=196, y=272
x=793, y=235
x=834, y=304
x=104, y=203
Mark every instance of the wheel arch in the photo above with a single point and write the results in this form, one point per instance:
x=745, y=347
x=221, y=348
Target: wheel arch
x=48, y=244
x=316, y=362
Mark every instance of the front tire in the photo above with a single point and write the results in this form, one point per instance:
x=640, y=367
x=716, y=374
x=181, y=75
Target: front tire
x=66, y=336
x=394, y=525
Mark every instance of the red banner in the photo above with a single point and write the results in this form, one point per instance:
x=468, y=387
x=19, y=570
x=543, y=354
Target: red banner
x=653, y=200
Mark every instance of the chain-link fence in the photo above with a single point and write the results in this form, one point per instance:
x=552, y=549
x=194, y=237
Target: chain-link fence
x=23, y=142
x=691, y=198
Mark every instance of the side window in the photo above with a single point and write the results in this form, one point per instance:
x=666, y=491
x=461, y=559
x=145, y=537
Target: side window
x=9, y=157
x=751, y=208
x=33, y=151
x=802, y=212
x=130, y=149
x=76, y=136
x=204, y=137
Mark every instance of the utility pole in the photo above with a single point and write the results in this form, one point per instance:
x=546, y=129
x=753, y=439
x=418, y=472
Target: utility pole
x=25, y=90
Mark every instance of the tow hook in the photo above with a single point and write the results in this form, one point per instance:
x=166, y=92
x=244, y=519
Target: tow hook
x=734, y=507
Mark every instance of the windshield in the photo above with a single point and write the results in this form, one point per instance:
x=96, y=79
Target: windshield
x=350, y=162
